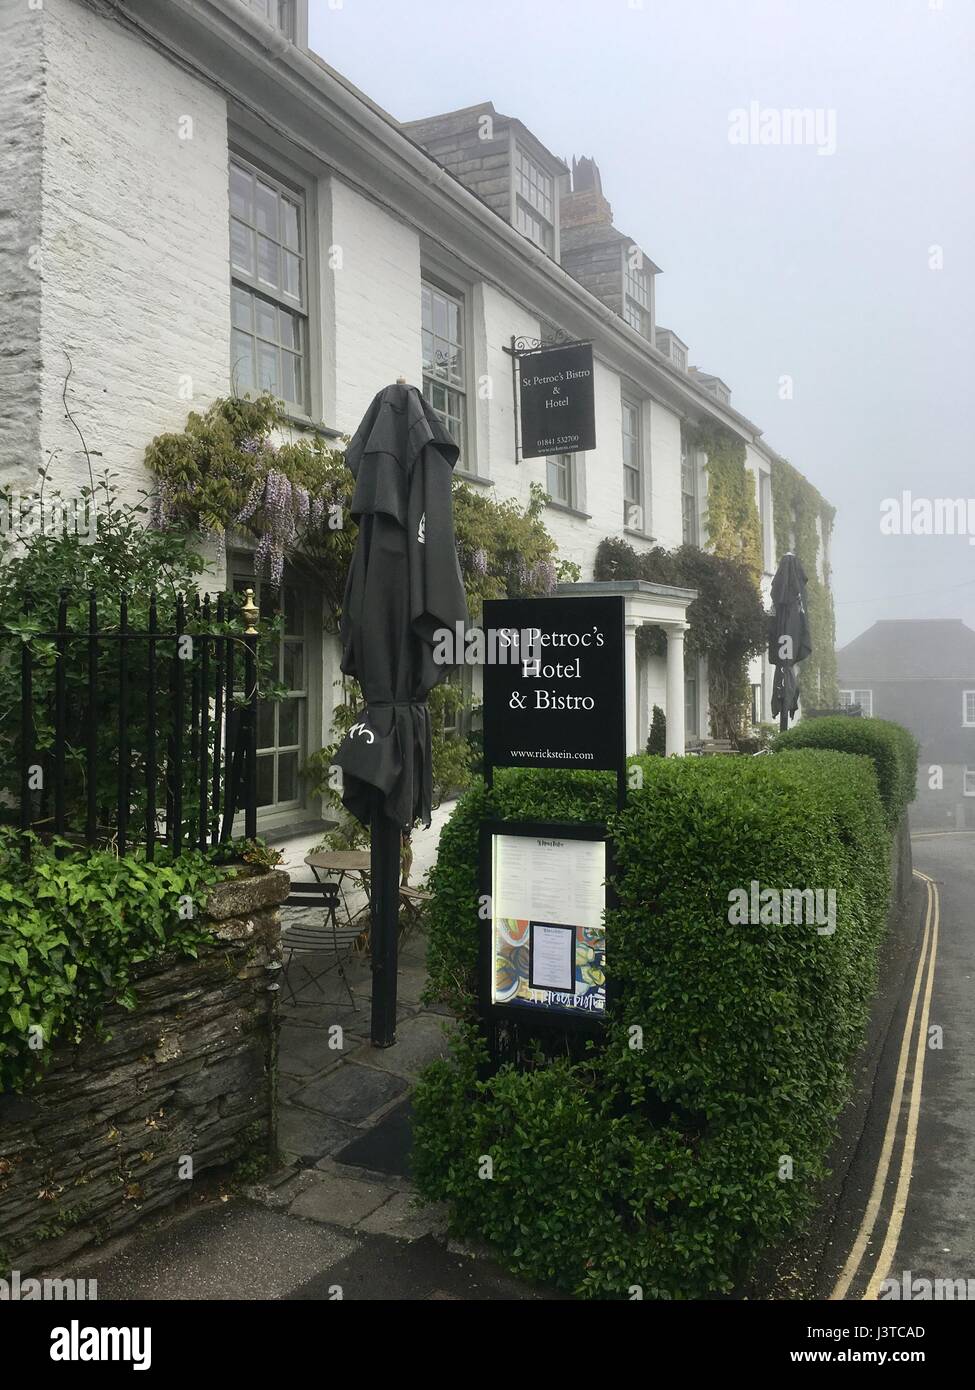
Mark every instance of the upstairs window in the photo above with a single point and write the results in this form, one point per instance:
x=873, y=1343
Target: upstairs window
x=968, y=709
x=534, y=201
x=637, y=301
x=633, y=517
x=269, y=334
x=688, y=491
x=560, y=479
x=679, y=356
x=442, y=335
x=280, y=13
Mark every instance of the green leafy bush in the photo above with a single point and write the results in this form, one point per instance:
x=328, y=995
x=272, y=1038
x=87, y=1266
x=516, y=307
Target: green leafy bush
x=71, y=931
x=661, y=1164
x=657, y=738
x=893, y=750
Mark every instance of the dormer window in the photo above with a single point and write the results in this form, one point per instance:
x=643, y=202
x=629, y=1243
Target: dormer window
x=637, y=298
x=280, y=13
x=678, y=356
x=534, y=201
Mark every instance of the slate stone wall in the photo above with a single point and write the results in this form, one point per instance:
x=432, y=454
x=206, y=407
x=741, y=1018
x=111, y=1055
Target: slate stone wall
x=185, y=1084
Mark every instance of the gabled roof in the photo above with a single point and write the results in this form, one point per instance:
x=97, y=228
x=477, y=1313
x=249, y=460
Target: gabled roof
x=909, y=649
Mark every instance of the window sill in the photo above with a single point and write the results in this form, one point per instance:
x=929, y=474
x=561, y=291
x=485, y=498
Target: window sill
x=569, y=511
x=638, y=535
x=465, y=477
x=305, y=422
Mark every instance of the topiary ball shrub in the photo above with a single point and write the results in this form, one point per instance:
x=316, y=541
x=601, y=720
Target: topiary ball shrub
x=695, y=1136
x=893, y=750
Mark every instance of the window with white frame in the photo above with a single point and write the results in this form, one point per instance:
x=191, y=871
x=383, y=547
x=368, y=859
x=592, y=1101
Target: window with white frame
x=863, y=698
x=637, y=295
x=560, y=479
x=280, y=13
x=968, y=709
x=633, y=498
x=443, y=338
x=968, y=785
x=282, y=725
x=679, y=356
x=688, y=491
x=269, y=286
x=765, y=519
x=534, y=201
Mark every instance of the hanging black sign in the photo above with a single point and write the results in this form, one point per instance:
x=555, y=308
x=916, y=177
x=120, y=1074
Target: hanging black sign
x=558, y=410
x=554, y=684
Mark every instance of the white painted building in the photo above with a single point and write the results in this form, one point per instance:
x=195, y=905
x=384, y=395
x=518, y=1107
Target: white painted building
x=149, y=146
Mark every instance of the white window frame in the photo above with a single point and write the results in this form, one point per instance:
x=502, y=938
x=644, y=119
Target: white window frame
x=866, y=706
x=289, y=17
x=968, y=772
x=456, y=295
x=688, y=469
x=534, y=201
x=638, y=296
x=967, y=721
x=765, y=517
x=251, y=285
x=640, y=522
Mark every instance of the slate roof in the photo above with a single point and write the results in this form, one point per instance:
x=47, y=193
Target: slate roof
x=909, y=649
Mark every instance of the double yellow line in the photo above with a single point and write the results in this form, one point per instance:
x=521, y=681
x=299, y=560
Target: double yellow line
x=929, y=953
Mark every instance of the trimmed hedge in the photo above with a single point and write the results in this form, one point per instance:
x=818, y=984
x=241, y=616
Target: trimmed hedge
x=893, y=750
x=662, y=1165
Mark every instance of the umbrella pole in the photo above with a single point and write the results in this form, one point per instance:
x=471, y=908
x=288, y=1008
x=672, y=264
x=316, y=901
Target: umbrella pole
x=385, y=870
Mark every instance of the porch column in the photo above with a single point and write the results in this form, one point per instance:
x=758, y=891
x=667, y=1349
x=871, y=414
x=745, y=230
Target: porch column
x=675, y=688
x=632, y=713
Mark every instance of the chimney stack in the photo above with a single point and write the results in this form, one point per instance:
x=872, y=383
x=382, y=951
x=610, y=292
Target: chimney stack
x=585, y=206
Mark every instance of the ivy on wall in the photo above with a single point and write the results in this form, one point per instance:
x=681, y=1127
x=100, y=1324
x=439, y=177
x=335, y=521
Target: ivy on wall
x=726, y=620
x=734, y=528
x=802, y=515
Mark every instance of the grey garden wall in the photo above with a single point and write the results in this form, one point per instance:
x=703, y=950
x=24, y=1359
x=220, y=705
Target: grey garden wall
x=100, y=1141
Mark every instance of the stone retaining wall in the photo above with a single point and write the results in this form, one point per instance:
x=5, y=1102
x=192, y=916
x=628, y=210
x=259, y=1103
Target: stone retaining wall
x=120, y=1128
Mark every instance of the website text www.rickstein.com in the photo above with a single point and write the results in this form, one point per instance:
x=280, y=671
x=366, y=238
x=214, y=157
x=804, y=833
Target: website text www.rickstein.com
x=864, y=1354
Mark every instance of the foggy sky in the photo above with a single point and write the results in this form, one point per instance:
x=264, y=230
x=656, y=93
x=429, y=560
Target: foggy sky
x=777, y=260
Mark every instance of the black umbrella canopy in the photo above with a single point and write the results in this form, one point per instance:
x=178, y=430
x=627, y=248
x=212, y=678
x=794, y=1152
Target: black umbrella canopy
x=404, y=584
x=789, y=639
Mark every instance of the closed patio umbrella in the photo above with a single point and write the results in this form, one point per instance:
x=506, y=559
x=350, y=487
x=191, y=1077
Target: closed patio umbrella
x=789, y=640
x=404, y=584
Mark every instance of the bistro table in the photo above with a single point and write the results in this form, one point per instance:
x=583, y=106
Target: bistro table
x=342, y=864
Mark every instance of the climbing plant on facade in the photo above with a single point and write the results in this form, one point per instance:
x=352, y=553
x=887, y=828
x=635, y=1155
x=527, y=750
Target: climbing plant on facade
x=734, y=528
x=804, y=524
x=231, y=470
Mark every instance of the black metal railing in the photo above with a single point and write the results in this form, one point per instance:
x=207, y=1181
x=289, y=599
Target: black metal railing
x=133, y=733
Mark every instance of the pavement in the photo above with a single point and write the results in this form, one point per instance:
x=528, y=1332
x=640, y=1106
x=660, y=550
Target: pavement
x=338, y=1218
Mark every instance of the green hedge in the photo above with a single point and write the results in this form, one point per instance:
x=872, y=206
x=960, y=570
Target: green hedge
x=893, y=749
x=660, y=1167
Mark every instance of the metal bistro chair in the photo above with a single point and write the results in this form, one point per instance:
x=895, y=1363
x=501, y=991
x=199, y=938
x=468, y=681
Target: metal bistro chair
x=307, y=938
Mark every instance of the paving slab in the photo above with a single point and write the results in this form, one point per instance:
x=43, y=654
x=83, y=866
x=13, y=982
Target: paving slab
x=385, y=1147
x=400, y=1217
x=234, y=1251
x=338, y=1199
x=305, y=1051
x=351, y=1093
x=307, y=1135
x=419, y=1040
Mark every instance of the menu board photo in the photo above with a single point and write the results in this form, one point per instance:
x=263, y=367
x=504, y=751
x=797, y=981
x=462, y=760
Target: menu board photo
x=548, y=936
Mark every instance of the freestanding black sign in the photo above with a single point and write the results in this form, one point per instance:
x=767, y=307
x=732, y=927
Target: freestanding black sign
x=558, y=412
x=555, y=694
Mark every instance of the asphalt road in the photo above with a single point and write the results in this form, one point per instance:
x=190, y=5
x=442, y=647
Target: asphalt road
x=904, y=1210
